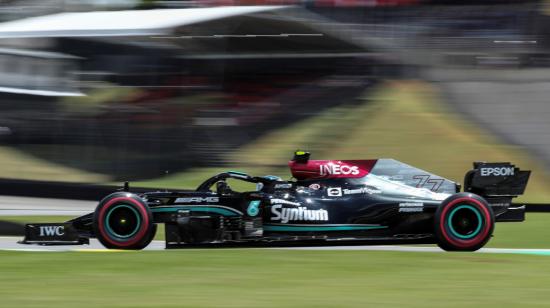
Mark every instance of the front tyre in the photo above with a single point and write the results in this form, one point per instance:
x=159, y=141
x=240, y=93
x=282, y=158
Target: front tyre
x=123, y=221
x=464, y=222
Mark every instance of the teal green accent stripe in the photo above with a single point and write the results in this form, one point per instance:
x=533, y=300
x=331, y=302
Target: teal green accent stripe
x=321, y=228
x=479, y=219
x=236, y=172
x=539, y=253
x=224, y=212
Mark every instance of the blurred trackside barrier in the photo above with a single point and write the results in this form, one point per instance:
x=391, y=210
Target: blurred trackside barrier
x=61, y=190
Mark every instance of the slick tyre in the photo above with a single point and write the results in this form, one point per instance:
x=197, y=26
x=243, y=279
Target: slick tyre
x=123, y=221
x=464, y=222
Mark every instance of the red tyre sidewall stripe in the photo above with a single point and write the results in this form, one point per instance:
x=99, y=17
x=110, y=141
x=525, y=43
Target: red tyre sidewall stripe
x=144, y=225
x=477, y=239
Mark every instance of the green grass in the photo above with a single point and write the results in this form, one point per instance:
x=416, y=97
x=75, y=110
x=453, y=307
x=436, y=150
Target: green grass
x=17, y=164
x=533, y=233
x=272, y=278
x=276, y=278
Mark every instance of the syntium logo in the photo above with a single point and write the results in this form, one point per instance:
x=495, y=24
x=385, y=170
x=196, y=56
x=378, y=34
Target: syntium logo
x=52, y=230
x=329, y=169
x=497, y=171
x=298, y=213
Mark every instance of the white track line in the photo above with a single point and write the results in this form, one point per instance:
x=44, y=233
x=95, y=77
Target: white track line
x=10, y=244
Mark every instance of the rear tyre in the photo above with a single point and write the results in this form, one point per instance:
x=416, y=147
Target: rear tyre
x=123, y=221
x=464, y=222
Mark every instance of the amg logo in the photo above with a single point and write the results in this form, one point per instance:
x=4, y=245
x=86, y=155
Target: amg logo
x=329, y=169
x=198, y=200
x=497, y=171
x=301, y=213
x=52, y=230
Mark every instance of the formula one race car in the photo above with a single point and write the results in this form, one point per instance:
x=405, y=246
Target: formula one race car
x=330, y=201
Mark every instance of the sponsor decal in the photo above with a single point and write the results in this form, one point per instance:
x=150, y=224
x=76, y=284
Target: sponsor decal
x=52, y=230
x=500, y=204
x=315, y=186
x=363, y=190
x=198, y=200
x=253, y=208
x=411, y=207
x=334, y=191
x=283, y=201
x=297, y=214
x=425, y=181
x=283, y=186
x=330, y=169
x=497, y=171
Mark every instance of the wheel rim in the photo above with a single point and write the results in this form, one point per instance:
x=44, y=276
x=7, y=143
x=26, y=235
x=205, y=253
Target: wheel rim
x=465, y=222
x=122, y=221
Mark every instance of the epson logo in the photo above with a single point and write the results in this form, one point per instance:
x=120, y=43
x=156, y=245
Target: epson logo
x=330, y=169
x=52, y=230
x=198, y=200
x=497, y=171
x=300, y=213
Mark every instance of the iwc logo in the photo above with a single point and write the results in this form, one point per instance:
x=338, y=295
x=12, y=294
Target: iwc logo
x=52, y=230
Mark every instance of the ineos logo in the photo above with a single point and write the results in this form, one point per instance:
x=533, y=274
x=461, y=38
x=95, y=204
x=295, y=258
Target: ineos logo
x=52, y=230
x=329, y=169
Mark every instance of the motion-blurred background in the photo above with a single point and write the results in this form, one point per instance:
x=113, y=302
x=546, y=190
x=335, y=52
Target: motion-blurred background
x=166, y=93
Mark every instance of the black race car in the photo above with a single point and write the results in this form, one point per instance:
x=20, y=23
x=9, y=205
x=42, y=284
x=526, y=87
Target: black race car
x=330, y=201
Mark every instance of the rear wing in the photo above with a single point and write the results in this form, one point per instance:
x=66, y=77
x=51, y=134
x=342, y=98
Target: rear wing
x=496, y=180
x=499, y=183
